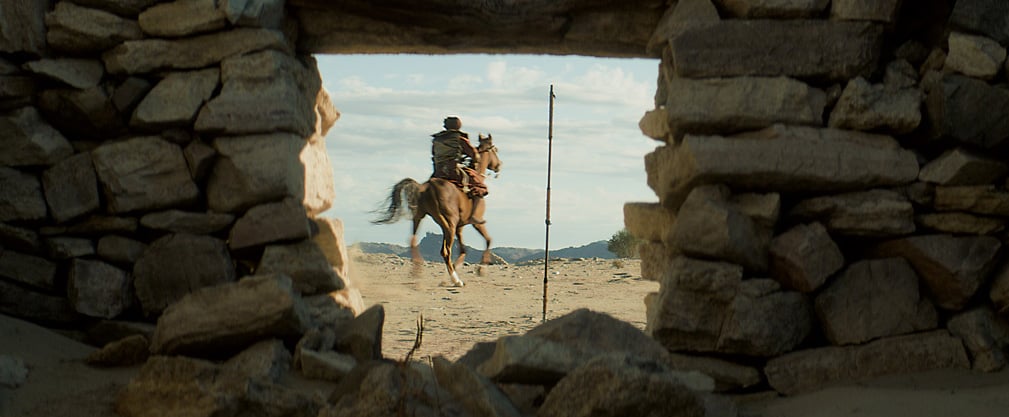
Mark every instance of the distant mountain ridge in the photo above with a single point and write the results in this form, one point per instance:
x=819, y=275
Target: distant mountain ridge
x=430, y=249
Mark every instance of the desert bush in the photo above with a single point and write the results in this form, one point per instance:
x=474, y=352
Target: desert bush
x=623, y=244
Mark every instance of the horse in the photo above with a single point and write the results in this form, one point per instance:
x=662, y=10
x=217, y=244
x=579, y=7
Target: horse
x=448, y=206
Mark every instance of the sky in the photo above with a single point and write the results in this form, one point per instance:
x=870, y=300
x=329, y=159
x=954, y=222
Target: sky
x=391, y=104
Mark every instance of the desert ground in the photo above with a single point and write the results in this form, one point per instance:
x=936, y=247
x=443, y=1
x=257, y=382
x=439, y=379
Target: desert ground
x=497, y=301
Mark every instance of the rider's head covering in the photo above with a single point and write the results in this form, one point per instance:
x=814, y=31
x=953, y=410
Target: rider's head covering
x=453, y=123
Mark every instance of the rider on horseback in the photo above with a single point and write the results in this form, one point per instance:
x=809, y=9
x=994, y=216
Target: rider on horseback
x=454, y=158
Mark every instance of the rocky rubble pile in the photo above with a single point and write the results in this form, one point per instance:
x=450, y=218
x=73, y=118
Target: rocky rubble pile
x=832, y=189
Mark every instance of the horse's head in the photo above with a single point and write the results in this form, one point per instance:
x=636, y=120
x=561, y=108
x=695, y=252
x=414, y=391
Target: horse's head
x=488, y=153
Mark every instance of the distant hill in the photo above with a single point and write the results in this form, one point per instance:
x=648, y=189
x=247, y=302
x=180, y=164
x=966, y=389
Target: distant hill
x=430, y=249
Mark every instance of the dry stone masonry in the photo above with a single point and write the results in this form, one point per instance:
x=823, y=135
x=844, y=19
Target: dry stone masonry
x=831, y=183
x=832, y=188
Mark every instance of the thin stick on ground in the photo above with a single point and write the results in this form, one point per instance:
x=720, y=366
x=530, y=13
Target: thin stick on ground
x=418, y=340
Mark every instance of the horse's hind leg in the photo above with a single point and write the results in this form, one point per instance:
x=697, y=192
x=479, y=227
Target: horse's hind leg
x=482, y=228
x=418, y=260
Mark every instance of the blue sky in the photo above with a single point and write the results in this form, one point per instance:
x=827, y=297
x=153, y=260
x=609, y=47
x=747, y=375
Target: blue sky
x=391, y=104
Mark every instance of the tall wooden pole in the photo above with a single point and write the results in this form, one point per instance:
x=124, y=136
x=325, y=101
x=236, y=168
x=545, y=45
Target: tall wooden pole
x=546, y=246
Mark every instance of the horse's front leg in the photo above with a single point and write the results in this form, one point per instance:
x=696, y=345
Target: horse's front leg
x=462, y=248
x=482, y=228
x=446, y=254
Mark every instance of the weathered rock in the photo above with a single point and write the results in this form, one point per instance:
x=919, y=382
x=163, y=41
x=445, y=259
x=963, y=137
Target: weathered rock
x=985, y=336
x=20, y=196
x=268, y=360
x=728, y=376
x=807, y=370
x=17, y=238
x=130, y=8
x=875, y=213
x=817, y=49
x=655, y=124
x=71, y=188
x=18, y=301
x=252, y=170
x=200, y=158
x=873, y=299
x=710, y=227
x=28, y=269
x=763, y=208
x=763, y=320
x=182, y=18
x=692, y=304
x=877, y=108
x=183, y=386
x=120, y=249
x=63, y=247
x=151, y=55
x=306, y=265
x=75, y=72
x=24, y=28
x=960, y=223
x=13, y=372
x=16, y=91
x=974, y=56
x=655, y=258
x=327, y=366
x=649, y=221
x=30, y=140
x=477, y=394
x=677, y=18
x=330, y=240
x=999, y=293
x=619, y=385
x=87, y=113
x=530, y=360
x=319, y=184
x=129, y=351
x=273, y=222
x=989, y=17
x=804, y=257
x=980, y=199
x=880, y=11
x=362, y=336
x=953, y=268
x=228, y=318
x=728, y=105
x=127, y=95
x=254, y=13
x=387, y=389
x=143, y=173
x=964, y=109
x=78, y=30
x=178, y=221
x=787, y=9
x=590, y=333
x=97, y=289
x=962, y=167
x=109, y=331
x=176, y=99
x=178, y=264
x=262, y=92
x=784, y=159
x=900, y=74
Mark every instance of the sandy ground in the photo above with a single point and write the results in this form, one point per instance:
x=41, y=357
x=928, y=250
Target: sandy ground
x=505, y=299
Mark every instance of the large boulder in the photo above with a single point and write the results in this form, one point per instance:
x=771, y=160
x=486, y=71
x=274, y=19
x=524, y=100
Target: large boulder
x=226, y=319
x=176, y=100
x=252, y=170
x=285, y=220
x=477, y=394
x=709, y=226
x=98, y=289
x=804, y=257
x=965, y=109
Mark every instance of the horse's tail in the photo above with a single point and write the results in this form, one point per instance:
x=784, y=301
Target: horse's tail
x=396, y=208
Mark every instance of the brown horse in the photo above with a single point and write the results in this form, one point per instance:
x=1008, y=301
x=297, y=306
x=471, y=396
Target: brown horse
x=448, y=205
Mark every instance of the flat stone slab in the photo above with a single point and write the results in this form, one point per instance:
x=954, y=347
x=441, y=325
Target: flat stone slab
x=784, y=159
x=150, y=55
x=808, y=49
x=808, y=370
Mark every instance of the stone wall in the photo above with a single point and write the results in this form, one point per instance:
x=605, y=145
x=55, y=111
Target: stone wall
x=153, y=149
x=832, y=188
